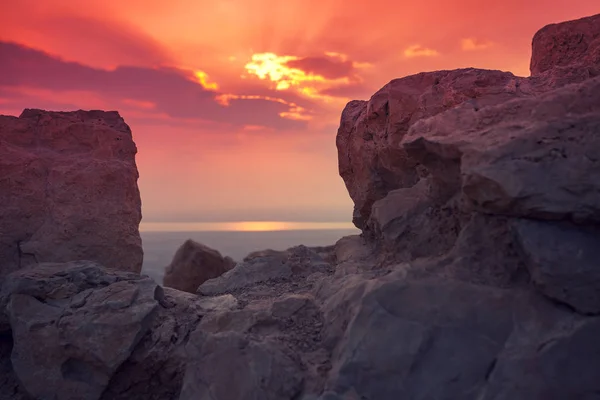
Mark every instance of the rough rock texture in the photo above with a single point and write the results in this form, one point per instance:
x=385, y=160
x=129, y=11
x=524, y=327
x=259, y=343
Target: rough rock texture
x=567, y=52
x=194, y=264
x=462, y=341
x=259, y=370
x=372, y=159
x=87, y=323
x=80, y=331
x=563, y=261
x=292, y=266
x=68, y=189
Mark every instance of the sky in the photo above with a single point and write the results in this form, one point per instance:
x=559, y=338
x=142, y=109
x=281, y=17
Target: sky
x=234, y=104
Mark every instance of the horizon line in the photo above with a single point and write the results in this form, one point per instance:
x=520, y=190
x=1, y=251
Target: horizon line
x=243, y=226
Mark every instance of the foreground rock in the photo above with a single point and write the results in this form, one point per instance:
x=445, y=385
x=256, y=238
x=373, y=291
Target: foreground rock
x=99, y=333
x=194, y=264
x=68, y=189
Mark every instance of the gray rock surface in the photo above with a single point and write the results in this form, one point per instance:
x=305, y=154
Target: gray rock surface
x=293, y=264
x=193, y=264
x=564, y=261
x=259, y=370
x=87, y=323
x=68, y=189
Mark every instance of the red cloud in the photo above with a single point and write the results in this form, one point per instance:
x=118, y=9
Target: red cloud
x=172, y=91
x=327, y=67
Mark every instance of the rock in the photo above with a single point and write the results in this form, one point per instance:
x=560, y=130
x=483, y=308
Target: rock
x=194, y=264
x=568, y=52
x=155, y=369
x=10, y=388
x=371, y=160
x=68, y=189
x=261, y=370
x=486, y=253
x=564, y=261
x=553, y=361
x=108, y=334
x=294, y=263
x=409, y=223
x=352, y=248
x=88, y=320
x=535, y=157
x=461, y=341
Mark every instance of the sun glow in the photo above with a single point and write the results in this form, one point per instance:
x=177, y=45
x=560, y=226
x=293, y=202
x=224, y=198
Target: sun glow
x=202, y=78
x=275, y=68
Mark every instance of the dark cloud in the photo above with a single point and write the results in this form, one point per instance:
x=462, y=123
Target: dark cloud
x=173, y=91
x=327, y=67
x=97, y=39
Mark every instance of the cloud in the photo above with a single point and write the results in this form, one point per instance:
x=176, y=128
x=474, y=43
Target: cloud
x=471, y=44
x=315, y=77
x=170, y=91
x=420, y=51
x=327, y=67
x=100, y=41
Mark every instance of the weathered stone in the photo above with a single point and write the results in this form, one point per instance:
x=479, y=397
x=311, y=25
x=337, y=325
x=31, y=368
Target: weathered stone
x=68, y=189
x=296, y=262
x=550, y=358
x=88, y=321
x=352, y=248
x=260, y=370
x=155, y=369
x=194, y=264
x=448, y=340
x=486, y=253
x=371, y=160
x=567, y=52
x=534, y=157
x=564, y=261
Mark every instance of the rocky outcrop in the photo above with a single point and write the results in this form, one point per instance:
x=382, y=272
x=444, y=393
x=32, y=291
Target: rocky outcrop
x=372, y=157
x=193, y=264
x=567, y=52
x=81, y=331
x=68, y=189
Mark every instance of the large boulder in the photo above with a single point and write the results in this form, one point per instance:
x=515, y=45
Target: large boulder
x=535, y=157
x=82, y=331
x=441, y=339
x=372, y=159
x=567, y=52
x=68, y=189
x=193, y=264
x=86, y=322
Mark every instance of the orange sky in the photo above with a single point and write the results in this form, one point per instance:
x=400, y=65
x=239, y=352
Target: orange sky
x=234, y=104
